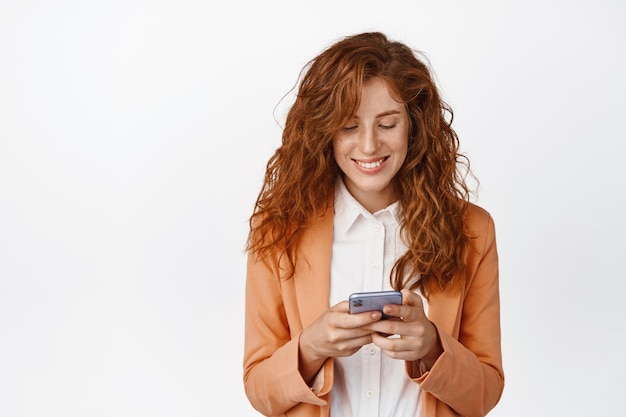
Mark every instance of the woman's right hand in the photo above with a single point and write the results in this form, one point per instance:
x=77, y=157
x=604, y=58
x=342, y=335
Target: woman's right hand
x=335, y=333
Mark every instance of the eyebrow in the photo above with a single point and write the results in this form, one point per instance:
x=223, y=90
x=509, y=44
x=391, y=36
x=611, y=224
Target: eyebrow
x=383, y=114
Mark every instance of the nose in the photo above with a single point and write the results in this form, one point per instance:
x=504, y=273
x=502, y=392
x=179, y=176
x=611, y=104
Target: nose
x=369, y=141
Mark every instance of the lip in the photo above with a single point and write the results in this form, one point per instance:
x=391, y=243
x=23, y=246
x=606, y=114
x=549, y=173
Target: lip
x=371, y=165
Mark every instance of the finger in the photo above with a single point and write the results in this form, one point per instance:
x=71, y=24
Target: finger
x=348, y=321
x=404, y=328
x=397, y=348
x=388, y=341
x=412, y=308
x=351, y=346
x=342, y=306
x=340, y=335
x=395, y=311
x=391, y=326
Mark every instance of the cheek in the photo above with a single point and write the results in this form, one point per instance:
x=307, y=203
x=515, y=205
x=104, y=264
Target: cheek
x=401, y=146
x=337, y=156
x=339, y=148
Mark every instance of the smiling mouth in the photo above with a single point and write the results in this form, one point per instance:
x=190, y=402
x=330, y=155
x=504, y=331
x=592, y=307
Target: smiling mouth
x=370, y=165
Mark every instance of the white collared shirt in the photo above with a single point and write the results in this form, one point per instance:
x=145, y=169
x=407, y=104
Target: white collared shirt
x=365, y=248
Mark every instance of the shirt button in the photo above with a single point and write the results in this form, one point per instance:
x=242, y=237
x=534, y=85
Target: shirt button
x=377, y=228
x=375, y=267
x=372, y=350
x=370, y=394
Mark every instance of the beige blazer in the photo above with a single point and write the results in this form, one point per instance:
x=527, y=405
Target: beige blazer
x=467, y=379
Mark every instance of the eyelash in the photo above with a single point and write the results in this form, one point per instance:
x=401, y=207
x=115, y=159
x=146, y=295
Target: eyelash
x=386, y=127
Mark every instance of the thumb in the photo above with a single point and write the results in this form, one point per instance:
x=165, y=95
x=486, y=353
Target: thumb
x=412, y=299
x=341, y=306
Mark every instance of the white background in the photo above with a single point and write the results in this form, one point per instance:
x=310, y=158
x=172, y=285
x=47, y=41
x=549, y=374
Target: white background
x=133, y=139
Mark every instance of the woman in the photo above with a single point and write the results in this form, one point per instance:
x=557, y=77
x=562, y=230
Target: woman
x=365, y=193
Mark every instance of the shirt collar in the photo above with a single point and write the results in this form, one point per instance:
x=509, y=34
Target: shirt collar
x=348, y=209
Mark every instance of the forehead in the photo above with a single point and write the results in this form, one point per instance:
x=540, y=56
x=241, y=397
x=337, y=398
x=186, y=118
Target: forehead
x=376, y=95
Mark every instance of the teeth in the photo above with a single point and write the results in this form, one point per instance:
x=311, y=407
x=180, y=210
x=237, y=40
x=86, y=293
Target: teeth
x=370, y=165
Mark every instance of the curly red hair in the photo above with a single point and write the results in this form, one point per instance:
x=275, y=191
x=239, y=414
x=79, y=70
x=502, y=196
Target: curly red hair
x=430, y=187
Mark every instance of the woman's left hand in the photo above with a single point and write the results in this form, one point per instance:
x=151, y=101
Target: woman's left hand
x=418, y=336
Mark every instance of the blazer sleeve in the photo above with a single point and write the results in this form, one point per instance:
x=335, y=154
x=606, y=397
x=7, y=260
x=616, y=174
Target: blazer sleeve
x=272, y=380
x=468, y=376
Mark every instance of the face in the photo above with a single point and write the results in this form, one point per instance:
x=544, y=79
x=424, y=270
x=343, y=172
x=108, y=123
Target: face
x=372, y=146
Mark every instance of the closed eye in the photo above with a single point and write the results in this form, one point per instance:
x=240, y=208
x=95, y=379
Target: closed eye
x=348, y=128
x=388, y=126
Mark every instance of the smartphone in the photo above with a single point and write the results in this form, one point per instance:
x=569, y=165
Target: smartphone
x=371, y=301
